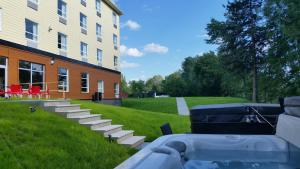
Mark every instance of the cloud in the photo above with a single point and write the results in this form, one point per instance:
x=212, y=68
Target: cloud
x=132, y=25
x=156, y=48
x=128, y=65
x=134, y=52
x=203, y=36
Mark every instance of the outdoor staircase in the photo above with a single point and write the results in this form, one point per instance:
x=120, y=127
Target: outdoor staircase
x=94, y=122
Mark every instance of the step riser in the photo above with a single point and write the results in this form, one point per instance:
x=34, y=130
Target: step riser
x=61, y=109
x=85, y=120
x=107, y=133
x=70, y=115
x=100, y=125
x=137, y=143
x=119, y=140
x=58, y=103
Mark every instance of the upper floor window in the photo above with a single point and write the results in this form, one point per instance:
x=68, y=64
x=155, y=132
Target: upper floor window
x=115, y=19
x=31, y=30
x=32, y=4
x=83, y=2
x=116, y=61
x=62, y=9
x=0, y=19
x=83, y=51
x=63, y=79
x=115, y=40
x=84, y=82
x=62, y=41
x=98, y=5
x=83, y=23
x=98, y=32
x=99, y=57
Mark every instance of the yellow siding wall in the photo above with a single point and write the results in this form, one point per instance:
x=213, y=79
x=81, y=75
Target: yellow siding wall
x=14, y=13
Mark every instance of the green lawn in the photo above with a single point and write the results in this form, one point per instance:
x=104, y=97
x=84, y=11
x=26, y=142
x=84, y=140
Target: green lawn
x=165, y=105
x=48, y=141
x=143, y=122
x=194, y=101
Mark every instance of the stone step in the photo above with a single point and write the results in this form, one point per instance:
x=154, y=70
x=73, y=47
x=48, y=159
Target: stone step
x=133, y=141
x=75, y=113
x=122, y=135
x=86, y=118
x=107, y=130
x=61, y=108
x=97, y=123
x=55, y=103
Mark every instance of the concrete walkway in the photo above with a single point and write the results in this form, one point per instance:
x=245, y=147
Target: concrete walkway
x=182, y=107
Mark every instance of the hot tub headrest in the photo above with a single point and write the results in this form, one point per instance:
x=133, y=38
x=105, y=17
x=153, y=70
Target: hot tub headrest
x=292, y=106
x=177, y=145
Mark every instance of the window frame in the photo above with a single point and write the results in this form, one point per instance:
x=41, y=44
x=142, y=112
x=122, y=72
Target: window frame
x=117, y=90
x=98, y=30
x=66, y=86
x=115, y=19
x=98, y=7
x=87, y=78
x=34, y=1
x=116, y=60
x=34, y=36
x=99, y=58
x=115, y=40
x=63, y=14
x=64, y=47
x=83, y=23
x=31, y=73
x=83, y=54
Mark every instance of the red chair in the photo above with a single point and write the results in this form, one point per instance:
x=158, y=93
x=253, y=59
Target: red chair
x=35, y=91
x=15, y=90
x=2, y=91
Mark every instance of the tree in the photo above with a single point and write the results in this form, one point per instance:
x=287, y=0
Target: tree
x=174, y=84
x=154, y=84
x=124, y=85
x=137, y=88
x=241, y=38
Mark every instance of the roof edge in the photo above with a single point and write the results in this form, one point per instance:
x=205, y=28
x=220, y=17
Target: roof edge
x=113, y=6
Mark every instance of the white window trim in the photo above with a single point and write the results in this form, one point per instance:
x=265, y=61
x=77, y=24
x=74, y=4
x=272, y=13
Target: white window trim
x=6, y=74
x=98, y=34
x=115, y=18
x=33, y=1
x=115, y=40
x=64, y=14
x=35, y=36
x=117, y=90
x=84, y=54
x=99, y=59
x=31, y=71
x=98, y=10
x=102, y=87
x=67, y=86
x=64, y=47
x=88, y=83
x=83, y=25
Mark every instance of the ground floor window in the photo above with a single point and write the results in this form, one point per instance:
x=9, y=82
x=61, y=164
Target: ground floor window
x=101, y=87
x=117, y=90
x=31, y=74
x=63, y=79
x=84, y=82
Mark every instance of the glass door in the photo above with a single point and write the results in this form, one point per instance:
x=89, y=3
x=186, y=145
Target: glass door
x=101, y=87
x=3, y=75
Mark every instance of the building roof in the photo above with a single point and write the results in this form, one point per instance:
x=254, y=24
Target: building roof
x=113, y=7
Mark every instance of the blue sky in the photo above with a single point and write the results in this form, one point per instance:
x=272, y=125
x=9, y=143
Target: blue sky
x=157, y=35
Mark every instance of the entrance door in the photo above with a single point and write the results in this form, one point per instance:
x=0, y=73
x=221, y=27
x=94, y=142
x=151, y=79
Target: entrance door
x=101, y=87
x=3, y=74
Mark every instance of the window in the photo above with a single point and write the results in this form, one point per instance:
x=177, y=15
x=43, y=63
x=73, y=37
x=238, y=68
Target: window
x=34, y=1
x=115, y=40
x=98, y=6
x=115, y=19
x=31, y=74
x=84, y=82
x=63, y=79
x=33, y=4
x=31, y=30
x=116, y=61
x=98, y=32
x=62, y=9
x=83, y=51
x=99, y=57
x=0, y=19
x=83, y=21
x=62, y=42
x=101, y=87
x=83, y=2
x=117, y=90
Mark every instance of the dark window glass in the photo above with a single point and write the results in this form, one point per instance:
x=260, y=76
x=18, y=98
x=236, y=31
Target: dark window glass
x=25, y=65
x=62, y=71
x=37, y=67
x=2, y=61
x=24, y=77
x=37, y=79
x=59, y=41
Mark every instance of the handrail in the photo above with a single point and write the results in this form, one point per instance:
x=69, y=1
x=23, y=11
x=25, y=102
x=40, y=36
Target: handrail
x=260, y=115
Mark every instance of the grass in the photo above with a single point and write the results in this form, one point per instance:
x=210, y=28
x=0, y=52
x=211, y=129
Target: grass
x=194, y=101
x=144, y=123
x=165, y=105
x=45, y=140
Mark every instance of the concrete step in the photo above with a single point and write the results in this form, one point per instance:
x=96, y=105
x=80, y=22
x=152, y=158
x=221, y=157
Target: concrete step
x=62, y=108
x=55, y=103
x=107, y=130
x=133, y=141
x=97, y=123
x=122, y=135
x=74, y=113
x=86, y=118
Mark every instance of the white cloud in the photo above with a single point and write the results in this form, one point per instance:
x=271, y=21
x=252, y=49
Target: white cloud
x=134, y=52
x=128, y=65
x=156, y=48
x=132, y=25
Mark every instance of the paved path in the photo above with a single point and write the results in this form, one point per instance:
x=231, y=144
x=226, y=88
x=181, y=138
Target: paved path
x=182, y=107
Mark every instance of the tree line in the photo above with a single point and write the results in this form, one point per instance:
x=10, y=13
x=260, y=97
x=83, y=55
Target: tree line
x=258, y=56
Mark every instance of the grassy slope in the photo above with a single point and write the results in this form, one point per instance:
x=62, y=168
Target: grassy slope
x=194, y=101
x=45, y=140
x=165, y=105
x=143, y=122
